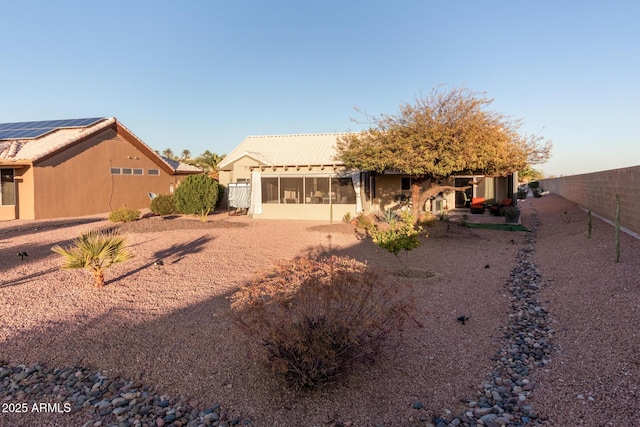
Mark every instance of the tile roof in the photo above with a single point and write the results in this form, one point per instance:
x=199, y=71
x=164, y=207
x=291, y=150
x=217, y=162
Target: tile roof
x=300, y=149
x=32, y=150
x=179, y=166
x=35, y=149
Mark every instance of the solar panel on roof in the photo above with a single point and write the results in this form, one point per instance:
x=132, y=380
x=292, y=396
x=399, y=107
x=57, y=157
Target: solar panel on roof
x=30, y=130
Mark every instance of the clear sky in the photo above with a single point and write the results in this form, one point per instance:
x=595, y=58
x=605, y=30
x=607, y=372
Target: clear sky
x=204, y=74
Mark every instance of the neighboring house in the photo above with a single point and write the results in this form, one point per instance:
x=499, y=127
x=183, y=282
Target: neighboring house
x=68, y=168
x=299, y=177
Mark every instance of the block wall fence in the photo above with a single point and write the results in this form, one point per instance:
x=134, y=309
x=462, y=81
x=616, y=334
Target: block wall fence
x=597, y=190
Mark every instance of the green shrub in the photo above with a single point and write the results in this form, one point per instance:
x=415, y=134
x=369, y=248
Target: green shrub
x=163, y=205
x=389, y=216
x=522, y=193
x=310, y=321
x=196, y=195
x=221, y=190
x=534, y=184
x=401, y=236
x=124, y=215
x=347, y=217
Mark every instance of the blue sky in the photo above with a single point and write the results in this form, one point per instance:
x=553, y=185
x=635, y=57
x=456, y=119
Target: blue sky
x=203, y=75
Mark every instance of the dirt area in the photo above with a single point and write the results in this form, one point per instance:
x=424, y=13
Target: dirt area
x=168, y=325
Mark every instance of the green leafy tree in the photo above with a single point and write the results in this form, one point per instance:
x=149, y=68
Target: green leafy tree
x=440, y=135
x=196, y=195
x=94, y=251
x=528, y=174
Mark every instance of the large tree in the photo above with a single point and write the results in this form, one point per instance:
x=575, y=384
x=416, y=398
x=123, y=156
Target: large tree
x=439, y=135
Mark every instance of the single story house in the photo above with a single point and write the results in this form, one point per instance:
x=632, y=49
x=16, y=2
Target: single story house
x=76, y=167
x=299, y=177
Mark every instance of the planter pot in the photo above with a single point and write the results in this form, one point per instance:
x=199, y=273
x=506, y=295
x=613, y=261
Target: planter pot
x=514, y=220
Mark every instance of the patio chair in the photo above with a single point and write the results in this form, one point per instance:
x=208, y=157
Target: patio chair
x=467, y=200
x=495, y=209
x=478, y=205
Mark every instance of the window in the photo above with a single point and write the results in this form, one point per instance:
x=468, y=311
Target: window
x=291, y=190
x=138, y=171
x=7, y=187
x=343, y=190
x=269, y=189
x=116, y=171
x=317, y=189
x=307, y=189
x=153, y=172
x=406, y=184
x=127, y=171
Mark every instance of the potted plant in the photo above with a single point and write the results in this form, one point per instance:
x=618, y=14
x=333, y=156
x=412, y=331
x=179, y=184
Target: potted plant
x=511, y=214
x=522, y=193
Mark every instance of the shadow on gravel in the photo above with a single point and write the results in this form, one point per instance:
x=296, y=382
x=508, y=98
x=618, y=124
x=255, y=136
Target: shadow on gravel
x=39, y=226
x=25, y=279
x=177, y=253
x=10, y=259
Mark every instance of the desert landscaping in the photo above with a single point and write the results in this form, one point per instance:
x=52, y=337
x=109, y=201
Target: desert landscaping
x=549, y=337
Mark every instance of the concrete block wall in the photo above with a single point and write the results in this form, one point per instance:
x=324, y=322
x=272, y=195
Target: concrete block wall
x=597, y=190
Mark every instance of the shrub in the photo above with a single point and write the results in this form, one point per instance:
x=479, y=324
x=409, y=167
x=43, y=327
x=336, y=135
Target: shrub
x=534, y=184
x=221, y=192
x=389, y=216
x=311, y=321
x=124, y=215
x=403, y=236
x=197, y=195
x=163, y=205
x=363, y=222
x=522, y=193
x=347, y=217
x=426, y=220
x=96, y=252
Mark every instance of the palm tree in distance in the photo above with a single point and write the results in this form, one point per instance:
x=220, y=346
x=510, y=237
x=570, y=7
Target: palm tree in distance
x=208, y=161
x=168, y=153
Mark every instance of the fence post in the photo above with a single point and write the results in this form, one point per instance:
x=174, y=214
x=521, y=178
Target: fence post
x=617, y=259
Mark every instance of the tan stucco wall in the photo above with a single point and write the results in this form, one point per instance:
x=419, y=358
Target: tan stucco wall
x=310, y=212
x=596, y=191
x=23, y=208
x=78, y=180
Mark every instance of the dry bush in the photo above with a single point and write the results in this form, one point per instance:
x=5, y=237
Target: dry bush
x=316, y=319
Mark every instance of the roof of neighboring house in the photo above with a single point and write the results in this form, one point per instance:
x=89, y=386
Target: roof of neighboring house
x=33, y=149
x=180, y=167
x=292, y=150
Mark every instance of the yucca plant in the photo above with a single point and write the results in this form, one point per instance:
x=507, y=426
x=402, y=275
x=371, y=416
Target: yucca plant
x=95, y=251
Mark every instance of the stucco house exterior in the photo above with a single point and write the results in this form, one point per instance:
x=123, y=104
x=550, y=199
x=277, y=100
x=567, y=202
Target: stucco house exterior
x=74, y=170
x=299, y=177
x=293, y=177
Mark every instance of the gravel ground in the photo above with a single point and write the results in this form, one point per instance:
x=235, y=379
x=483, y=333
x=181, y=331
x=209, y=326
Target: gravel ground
x=164, y=330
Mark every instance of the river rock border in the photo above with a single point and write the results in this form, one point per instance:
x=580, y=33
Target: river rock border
x=526, y=345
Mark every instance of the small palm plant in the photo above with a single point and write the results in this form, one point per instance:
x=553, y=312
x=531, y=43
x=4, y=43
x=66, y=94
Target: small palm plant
x=95, y=251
